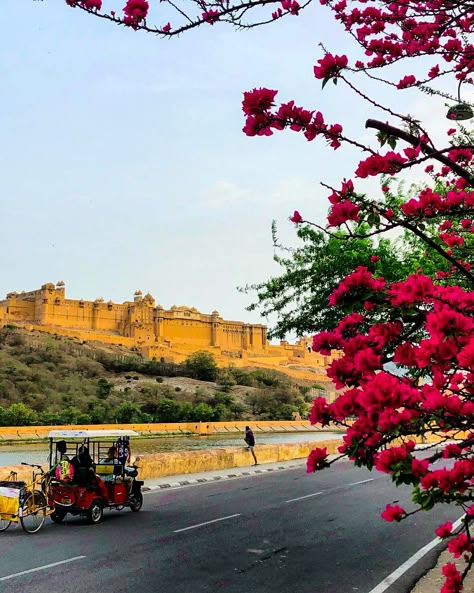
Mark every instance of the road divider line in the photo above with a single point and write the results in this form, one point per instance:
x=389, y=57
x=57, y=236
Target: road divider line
x=330, y=490
x=303, y=497
x=401, y=570
x=45, y=567
x=362, y=482
x=207, y=523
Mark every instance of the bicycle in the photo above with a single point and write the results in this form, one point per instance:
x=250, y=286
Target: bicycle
x=30, y=504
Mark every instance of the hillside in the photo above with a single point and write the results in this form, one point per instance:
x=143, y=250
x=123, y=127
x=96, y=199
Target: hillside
x=47, y=379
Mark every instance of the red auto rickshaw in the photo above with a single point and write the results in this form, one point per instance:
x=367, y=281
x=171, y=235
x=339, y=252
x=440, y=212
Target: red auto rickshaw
x=85, y=480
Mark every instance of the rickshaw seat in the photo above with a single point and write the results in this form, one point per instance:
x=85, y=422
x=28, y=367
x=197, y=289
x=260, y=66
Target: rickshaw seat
x=108, y=469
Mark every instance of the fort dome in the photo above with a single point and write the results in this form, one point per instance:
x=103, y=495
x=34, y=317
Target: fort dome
x=60, y=283
x=138, y=293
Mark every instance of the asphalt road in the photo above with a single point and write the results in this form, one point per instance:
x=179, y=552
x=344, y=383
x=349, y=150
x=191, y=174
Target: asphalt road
x=281, y=532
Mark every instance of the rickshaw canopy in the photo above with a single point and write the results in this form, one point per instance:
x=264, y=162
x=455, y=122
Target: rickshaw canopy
x=91, y=434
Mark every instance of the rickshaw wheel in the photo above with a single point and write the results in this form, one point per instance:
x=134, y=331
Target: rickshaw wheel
x=33, y=512
x=95, y=512
x=4, y=524
x=136, y=502
x=58, y=516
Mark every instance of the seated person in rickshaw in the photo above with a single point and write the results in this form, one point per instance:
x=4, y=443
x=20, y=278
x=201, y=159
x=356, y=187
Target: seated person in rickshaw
x=111, y=459
x=83, y=466
x=63, y=470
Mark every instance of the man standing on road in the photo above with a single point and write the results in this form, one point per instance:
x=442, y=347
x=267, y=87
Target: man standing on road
x=250, y=440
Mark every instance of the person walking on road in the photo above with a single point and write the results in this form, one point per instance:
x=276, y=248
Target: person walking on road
x=250, y=440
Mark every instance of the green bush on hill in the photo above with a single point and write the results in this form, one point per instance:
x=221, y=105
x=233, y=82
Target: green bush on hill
x=50, y=380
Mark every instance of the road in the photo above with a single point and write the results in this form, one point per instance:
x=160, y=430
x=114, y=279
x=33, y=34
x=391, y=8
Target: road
x=284, y=532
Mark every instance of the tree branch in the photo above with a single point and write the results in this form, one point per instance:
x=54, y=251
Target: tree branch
x=429, y=241
x=414, y=141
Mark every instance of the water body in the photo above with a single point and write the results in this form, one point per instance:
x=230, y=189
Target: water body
x=38, y=452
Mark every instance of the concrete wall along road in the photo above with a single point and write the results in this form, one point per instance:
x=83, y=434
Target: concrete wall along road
x=187, y=462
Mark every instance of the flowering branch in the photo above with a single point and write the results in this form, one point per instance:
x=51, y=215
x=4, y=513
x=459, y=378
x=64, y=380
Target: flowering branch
x=415, y=141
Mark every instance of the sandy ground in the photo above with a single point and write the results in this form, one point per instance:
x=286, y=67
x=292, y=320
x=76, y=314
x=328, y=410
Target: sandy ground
x=434, y=580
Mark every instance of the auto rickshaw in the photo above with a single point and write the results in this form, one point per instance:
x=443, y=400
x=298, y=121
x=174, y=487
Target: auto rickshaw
x=93, y=482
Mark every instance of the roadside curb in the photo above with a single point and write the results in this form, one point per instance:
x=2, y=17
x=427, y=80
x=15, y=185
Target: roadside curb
x=230, y=476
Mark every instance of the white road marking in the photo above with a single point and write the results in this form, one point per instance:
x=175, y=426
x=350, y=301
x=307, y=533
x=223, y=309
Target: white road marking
x=396, y=574
x=303, y=497
x=207, y=523
x=330, y=490
x=362, y=482
x=45, y=567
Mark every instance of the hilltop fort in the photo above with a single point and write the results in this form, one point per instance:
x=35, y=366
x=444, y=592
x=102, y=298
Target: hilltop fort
x=168, y=334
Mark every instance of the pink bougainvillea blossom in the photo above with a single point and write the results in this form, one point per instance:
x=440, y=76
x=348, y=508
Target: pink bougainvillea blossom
x=393, y=513
x=296, y=218
x=330, y=66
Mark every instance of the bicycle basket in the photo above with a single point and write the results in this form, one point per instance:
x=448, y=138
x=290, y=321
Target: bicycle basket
x=9, y=503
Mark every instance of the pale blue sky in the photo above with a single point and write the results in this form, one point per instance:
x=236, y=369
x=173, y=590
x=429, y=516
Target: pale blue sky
x=124, y=165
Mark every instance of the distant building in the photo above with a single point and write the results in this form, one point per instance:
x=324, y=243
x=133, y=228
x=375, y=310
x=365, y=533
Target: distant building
x=153, y=330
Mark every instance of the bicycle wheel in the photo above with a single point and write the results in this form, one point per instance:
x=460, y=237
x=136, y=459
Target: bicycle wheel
x=33, y=512
x=4, y=524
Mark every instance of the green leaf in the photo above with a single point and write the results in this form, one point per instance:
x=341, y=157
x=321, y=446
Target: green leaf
x=382, y=138
x=425, y=499
x=392, y=142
